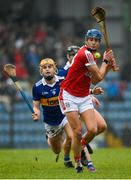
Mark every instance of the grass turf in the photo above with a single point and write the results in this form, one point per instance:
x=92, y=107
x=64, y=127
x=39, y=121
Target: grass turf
x=40, y=164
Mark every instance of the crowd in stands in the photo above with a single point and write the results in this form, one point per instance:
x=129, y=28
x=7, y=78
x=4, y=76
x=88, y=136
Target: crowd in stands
x=25, y=44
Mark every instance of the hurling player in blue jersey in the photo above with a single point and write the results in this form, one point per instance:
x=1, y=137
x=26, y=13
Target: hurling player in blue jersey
x=71, y=51
x=45, y=93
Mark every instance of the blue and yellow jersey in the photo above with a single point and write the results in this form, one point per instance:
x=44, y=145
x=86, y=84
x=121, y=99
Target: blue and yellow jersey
x=48, y=97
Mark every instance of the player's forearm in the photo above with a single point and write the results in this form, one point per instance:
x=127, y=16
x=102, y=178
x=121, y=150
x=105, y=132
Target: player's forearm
x=102, y=72
x=104, y=69
x=36, y=108
x=108, y=59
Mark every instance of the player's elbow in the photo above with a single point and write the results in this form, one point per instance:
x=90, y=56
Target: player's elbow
x=96, y=79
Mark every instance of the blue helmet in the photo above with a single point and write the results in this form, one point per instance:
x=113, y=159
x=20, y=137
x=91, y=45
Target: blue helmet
x=93, y=33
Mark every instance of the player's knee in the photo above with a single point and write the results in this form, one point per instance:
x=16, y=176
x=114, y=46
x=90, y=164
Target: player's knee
x=103, y=127
x=69, y=136
x=92, y=131
x=78, y=133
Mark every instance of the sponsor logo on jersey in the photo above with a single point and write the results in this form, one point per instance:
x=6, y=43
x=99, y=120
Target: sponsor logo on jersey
x=44, y=93
x=50, y=101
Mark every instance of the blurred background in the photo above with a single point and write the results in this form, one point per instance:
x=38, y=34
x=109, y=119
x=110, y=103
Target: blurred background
x=34, y=29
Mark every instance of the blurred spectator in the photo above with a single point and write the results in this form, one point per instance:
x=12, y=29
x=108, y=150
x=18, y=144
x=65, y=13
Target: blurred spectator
x=32, y=60
x=21, y=70
x=125, y=73
x=40, y=34
x=114, y=92
x=4, y=56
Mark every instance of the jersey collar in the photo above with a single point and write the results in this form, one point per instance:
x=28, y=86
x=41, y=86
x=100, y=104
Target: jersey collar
x=45, y=83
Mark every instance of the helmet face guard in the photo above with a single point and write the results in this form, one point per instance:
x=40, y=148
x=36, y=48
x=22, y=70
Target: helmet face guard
x=72, y=50
x=93, y=33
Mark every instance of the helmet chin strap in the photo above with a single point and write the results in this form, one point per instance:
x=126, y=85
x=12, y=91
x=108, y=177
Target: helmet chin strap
x=91, y=50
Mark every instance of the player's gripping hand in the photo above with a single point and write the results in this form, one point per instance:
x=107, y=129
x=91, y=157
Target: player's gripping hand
x=109, y=59
x=108, y=55
x=35, y=117
x=97, y=91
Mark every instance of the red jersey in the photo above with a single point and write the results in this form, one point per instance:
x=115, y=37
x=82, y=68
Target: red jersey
x=78, y=79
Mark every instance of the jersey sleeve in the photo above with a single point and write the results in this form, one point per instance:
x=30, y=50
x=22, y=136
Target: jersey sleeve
x=89, y=58
x=35, y=94
x=62, y=72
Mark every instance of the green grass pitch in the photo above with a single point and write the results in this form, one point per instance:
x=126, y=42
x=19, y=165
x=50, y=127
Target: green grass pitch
x=40, y=164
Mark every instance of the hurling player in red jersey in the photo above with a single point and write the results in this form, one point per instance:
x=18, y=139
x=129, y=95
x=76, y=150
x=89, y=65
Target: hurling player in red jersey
x=75, y=98
x=101, y=123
